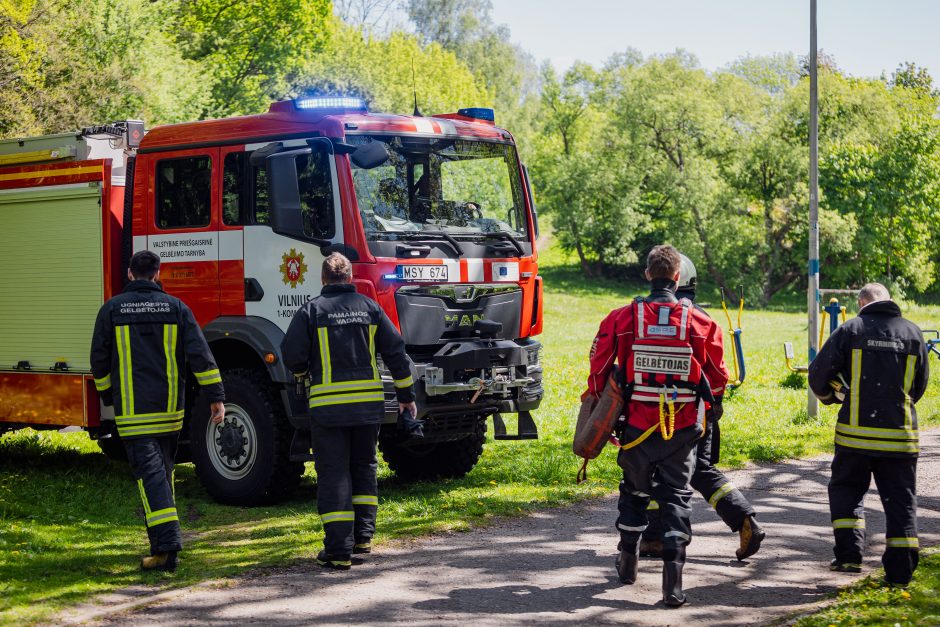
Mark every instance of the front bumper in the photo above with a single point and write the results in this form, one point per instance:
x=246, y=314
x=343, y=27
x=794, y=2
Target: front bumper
x=475, y=377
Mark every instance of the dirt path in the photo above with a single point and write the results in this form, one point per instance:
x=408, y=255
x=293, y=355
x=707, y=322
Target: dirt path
x=555, y=568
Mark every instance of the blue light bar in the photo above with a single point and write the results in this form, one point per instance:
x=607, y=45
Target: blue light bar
x=331, y=102
x=478, y=113
x=391, y=277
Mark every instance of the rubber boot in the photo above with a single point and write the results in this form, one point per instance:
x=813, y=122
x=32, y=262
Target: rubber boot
x=751, y=536
x=628, y=562
x=673, y=561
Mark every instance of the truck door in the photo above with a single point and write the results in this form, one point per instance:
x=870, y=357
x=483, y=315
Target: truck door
x=282, y=272
x=183, y=227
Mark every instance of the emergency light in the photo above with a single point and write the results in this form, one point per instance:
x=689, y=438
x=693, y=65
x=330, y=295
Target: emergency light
x=478, y=113
x=331, y=102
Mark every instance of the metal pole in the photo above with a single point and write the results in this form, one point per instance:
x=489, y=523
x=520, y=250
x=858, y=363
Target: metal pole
x=812, y=289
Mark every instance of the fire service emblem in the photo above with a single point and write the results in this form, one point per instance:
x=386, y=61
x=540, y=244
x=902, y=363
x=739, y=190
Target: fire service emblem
x=293, y=267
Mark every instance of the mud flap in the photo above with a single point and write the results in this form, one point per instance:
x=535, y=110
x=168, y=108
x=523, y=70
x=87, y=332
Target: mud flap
x=526, y=428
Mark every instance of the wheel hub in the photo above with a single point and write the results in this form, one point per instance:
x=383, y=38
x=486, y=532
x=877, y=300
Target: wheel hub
x=232, y=440
x=233, y=443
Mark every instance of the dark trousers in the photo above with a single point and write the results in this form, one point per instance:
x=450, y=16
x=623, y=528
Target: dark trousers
x=671, y=462
x=712, y=484
x=152, y=460
x=896, y=480
x=347, y=490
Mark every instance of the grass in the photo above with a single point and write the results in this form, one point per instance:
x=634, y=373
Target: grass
x=71, y=521
x=869, y=603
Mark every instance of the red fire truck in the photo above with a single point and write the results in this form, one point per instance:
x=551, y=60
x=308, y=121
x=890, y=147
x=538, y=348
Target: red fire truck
x=435, y=212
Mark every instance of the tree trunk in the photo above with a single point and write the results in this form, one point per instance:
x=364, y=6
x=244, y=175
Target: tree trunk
x=585, y=265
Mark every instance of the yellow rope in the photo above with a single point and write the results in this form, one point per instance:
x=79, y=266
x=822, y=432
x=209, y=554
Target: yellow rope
x=667, y=433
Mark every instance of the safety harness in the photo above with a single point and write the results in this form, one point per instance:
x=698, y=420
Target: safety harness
x=661, y=367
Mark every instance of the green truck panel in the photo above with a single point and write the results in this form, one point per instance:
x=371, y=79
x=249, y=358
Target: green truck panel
x=51, y=283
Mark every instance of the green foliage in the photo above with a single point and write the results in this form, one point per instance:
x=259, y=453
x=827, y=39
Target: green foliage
x=251, y=50
x=644, y=151
x=466, y=28
x=379, y=69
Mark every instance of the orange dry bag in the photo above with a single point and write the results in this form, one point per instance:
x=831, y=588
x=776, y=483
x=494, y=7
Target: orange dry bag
x=596, y=421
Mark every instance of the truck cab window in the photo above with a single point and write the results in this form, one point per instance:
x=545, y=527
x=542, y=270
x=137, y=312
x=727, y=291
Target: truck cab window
x=244, y=191
x=234, y=193
x=184, y=193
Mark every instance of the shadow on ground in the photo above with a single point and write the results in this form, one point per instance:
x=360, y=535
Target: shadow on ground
x=557, y=567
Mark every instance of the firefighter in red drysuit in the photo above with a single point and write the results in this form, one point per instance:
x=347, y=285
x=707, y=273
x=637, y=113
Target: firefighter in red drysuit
x=671, y=362
x=730, y=504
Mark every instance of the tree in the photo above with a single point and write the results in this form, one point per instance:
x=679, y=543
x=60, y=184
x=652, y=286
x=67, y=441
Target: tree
x=21, y=74
x=379, y=69
x=585, y=179
x=372, y=16
x=252, y=50
x=74, y=64
x=466, y=28
x=910, y=76
x=892, y=189
x=773, y=73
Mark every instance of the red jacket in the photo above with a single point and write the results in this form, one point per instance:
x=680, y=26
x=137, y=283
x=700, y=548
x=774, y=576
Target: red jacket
x=615, y=338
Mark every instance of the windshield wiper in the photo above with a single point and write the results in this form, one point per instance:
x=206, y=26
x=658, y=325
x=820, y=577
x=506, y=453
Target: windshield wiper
x=435, y=235
x=509, y=237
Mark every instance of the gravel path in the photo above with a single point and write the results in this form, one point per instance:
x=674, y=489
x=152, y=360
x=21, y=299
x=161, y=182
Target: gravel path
x=554, y=567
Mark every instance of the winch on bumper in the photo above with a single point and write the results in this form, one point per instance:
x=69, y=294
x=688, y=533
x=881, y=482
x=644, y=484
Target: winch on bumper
x=478, y=377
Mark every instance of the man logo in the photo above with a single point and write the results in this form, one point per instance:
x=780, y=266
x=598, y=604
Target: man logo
x=293, y=267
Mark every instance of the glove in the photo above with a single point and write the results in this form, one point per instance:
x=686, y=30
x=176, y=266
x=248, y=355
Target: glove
x=409, y=425
x=717, y=410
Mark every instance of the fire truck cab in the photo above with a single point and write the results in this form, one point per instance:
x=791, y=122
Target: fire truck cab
x=436, y=214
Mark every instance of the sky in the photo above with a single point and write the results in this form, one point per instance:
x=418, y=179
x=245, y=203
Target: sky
x=866, y=37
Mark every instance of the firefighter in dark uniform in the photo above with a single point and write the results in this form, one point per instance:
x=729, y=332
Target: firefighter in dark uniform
x=671, y=361
x=333, y=340
x=729, y=503
x=882, y=360
x=143, y=340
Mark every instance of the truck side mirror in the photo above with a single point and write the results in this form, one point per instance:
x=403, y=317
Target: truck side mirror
x=528, y=187
x=286, y=212
x=371, y=155
x=285, y=207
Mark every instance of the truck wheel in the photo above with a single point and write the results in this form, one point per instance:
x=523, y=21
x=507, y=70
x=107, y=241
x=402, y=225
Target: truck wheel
x=113, y=448
x=245, y=459
x=427, y=461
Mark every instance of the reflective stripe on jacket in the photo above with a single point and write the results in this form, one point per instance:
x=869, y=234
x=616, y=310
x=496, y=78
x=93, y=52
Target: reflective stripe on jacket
x=335, y=339
x=142, y=342
x=883, y=359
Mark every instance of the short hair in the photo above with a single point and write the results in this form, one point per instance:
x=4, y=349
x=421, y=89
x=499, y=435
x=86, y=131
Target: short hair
x=145, y=265
x=871, y=293
x=663, y=262
x=336, y=269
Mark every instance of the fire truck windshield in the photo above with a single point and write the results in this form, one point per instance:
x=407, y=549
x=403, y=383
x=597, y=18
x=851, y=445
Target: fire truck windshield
x=465, y=188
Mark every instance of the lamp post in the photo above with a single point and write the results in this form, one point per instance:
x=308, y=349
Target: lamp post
x=812, y=286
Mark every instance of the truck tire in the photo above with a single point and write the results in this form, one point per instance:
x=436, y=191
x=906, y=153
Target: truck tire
x=113, y=448
x=418, y=461
x=246, y=459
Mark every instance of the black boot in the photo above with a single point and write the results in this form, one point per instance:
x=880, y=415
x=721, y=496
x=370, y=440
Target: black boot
x=627, y=562
x=673, y=561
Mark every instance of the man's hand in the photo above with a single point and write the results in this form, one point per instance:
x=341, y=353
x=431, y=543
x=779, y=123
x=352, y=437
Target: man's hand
x=412, y=407
x=218, y=412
